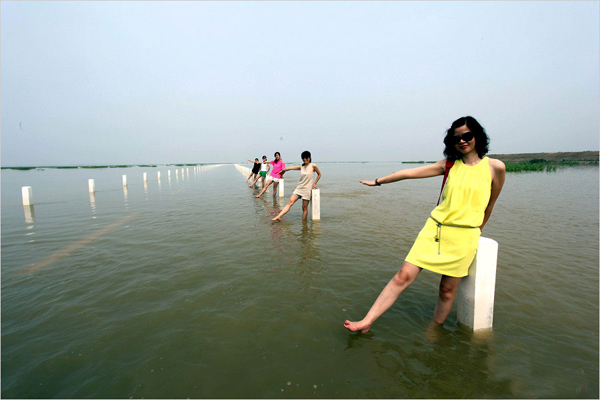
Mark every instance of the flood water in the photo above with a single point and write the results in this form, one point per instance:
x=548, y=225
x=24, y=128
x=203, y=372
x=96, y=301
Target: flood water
x=184, y=288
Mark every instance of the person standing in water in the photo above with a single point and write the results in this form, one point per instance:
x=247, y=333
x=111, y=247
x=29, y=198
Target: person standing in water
x=448, y=242
x=265, y=167
x=274, y=177
x=305, y=187
x=255, y=169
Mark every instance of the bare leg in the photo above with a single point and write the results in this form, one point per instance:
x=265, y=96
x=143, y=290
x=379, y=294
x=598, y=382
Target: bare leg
x=447, y=293
x=255, y=179
x=287, y=207
x=249, y=176
x=264, y=189
x=305, y=208
x=275, y=185
x=403, y=279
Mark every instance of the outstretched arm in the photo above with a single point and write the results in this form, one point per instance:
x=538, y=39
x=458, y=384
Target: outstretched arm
x=297, y=167
x=426, y=171
x=498, y=176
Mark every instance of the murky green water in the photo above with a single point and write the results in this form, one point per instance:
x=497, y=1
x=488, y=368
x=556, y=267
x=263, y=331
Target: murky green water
x=186, y=289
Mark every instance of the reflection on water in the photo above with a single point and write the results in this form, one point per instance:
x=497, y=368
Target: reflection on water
x=309, y=255
x=175, y=291
x=93, y=204
x=125, y=197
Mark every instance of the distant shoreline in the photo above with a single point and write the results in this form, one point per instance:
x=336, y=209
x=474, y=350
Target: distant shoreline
x=582, y=157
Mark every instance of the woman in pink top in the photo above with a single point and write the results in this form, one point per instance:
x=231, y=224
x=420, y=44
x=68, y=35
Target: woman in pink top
x=274, y=176
x=304, y=189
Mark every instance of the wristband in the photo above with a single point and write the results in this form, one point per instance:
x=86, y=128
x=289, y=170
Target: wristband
x=377, y=183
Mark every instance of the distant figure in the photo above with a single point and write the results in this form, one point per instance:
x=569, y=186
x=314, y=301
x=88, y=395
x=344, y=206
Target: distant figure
x=448, y=241
x=255, y=169
x=265, y=167
x=304, y=188
x=274, y=177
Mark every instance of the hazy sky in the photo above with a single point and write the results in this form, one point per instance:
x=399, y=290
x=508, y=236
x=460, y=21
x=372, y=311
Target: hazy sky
x=181, y=82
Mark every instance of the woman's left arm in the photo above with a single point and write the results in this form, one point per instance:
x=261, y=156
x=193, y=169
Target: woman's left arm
x=318, y=176
x=498, y=176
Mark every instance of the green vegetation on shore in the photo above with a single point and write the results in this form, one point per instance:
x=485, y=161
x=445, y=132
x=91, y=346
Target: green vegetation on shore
x=534, y=165
x=538, y=164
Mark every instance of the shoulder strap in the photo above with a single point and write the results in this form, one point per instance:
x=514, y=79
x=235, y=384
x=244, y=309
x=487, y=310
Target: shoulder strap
x=449, y=164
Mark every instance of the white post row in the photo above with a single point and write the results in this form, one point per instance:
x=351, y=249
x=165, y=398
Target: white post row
x=476, y=291
x=315, y=199
x=244, y=170
x=92, y=185
x=27, y=195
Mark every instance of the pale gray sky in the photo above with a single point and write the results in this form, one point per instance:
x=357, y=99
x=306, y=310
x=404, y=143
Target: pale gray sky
x=177, y=82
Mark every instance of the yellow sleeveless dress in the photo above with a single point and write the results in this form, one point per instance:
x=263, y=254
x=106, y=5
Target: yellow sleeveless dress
x=448, y=242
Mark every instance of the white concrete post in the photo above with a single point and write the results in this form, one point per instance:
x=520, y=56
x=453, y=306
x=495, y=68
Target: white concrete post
x=476, y=291
x=281, y=188
x=124, y=180
x=92, y=185
x=145, y=177
x=315, y=199
x=158, y=175
x=29, y=213
x=169, y=173
x=27, y=195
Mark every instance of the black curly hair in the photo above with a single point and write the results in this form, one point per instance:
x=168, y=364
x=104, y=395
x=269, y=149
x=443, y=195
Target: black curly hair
x=306, y=154
x=482, y=141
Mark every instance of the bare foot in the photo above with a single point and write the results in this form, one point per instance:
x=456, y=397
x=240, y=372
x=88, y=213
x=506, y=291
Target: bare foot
x=433, y=331
x=257, y=196
x=361, y=326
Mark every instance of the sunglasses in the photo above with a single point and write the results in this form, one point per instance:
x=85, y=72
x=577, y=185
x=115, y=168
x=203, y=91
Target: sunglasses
x=467, y=137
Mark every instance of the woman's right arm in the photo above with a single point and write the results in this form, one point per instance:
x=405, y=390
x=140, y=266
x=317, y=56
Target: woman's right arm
x=297, y=167
x=426, y=171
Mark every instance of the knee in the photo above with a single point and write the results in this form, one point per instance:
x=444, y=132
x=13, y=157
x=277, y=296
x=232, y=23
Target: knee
x=447, y=292
x=403, y=278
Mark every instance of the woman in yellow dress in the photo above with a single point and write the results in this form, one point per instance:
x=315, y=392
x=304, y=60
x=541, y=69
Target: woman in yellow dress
x=448, y=242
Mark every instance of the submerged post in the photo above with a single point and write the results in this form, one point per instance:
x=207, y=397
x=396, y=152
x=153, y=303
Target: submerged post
x=476, y=291
x=27, y=195
x=91, y=185
x=281, y=188
x=315, y=199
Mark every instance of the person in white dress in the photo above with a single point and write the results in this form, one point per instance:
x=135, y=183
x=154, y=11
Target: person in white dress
x=304, y=188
